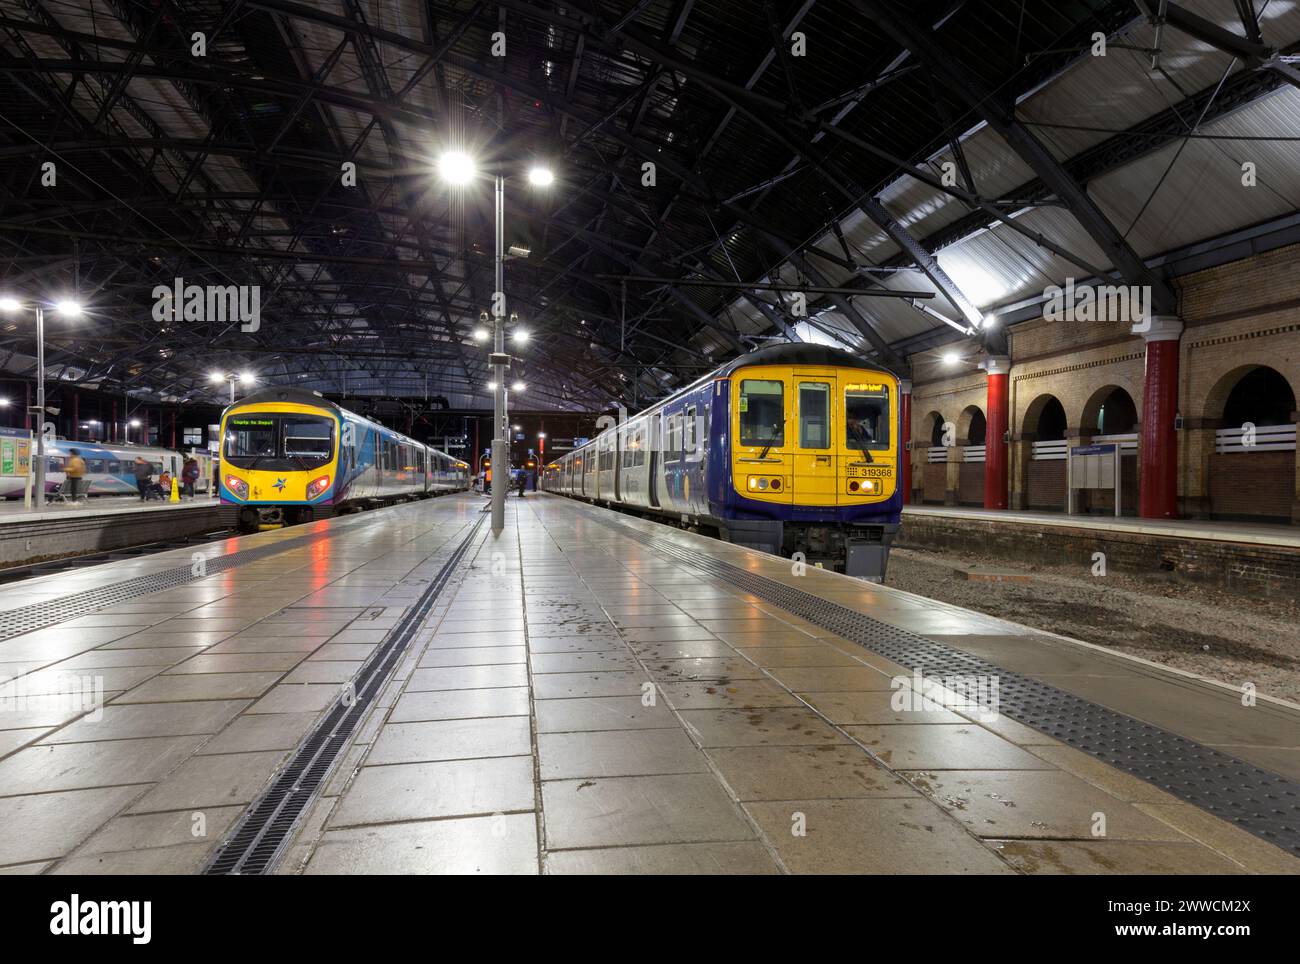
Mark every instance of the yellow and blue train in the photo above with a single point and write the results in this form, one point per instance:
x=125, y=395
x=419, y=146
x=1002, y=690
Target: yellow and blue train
x=290, y=456
x=792, y=449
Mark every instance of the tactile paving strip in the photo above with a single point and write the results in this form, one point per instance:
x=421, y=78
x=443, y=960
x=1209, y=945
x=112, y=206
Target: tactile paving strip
x=1256, y=800
x=51, y=612
x=261, y=835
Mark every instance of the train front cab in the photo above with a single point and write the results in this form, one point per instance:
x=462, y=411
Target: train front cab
x=279, y=463
x=814, y=464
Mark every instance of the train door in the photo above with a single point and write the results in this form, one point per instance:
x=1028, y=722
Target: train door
x=655, y=446
x=814, y=455
x=761, y=428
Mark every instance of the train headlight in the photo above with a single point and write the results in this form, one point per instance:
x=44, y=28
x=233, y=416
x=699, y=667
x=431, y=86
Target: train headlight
x=753, y=482
x=237, y=486
x=316, y=486
x=762, y=484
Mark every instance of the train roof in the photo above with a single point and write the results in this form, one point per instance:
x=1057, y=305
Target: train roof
x=798, y=353
x=299, y=396
x=295, y=396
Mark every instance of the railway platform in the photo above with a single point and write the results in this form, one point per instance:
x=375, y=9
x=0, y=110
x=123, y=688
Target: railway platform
x=97, y=524
x=398, y=691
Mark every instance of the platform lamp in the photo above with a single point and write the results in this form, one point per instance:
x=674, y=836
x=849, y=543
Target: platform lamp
x=67, y=308
x=246, y=378
x=456, y=167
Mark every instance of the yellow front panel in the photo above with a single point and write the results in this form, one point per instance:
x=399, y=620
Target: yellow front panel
x=814, y=457
x=283, y=485
x=760, y=400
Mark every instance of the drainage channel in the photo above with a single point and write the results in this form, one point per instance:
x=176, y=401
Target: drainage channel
x=1256, y=800
x=261, y=835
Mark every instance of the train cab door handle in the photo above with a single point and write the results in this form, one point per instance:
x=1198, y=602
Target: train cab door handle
x=823, y=460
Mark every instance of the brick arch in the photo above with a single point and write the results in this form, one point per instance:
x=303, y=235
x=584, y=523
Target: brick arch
x=970, y=415
x=932, y=421
x=1211, y=407
x=1088, y=421
x=1034, y=413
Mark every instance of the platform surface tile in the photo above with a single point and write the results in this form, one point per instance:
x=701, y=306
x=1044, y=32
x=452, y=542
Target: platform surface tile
x=576, y=702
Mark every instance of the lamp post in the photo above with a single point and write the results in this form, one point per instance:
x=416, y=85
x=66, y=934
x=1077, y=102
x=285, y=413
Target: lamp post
x=216, y=377
x=457, y=167
x=69, y=309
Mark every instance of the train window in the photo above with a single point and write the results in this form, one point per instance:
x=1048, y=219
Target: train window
x=95, y=466
x=638, y=453
x=309, y=438
x=54, y=463
x=250, y=438
x=866, y=417
x=814, y=415
x=762, y=412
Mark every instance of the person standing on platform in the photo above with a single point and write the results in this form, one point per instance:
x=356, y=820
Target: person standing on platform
x=189, y=476
x=74, y=472
x=143, y=477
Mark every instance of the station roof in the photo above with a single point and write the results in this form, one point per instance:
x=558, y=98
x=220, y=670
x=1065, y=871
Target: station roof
x=969, y=152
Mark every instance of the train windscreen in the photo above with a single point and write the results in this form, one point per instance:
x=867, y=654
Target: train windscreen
x=866, y=417
x=278, y=442
x=762, y=412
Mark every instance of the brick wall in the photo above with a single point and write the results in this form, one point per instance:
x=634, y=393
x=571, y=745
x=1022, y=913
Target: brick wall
x=970, y=484
x=1046, y=489
x=935, y=476
x=1238, y=567
x=1251, y=484
x=1236, y=316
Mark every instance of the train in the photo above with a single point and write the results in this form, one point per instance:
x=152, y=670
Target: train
x=793, y=449
x=290, y=456
x=110, y=467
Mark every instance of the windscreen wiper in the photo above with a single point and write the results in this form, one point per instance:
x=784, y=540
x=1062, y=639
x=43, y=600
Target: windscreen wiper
x=776, y=427
x=862, y=443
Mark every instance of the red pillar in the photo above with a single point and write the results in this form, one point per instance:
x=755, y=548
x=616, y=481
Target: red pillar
x=905, y=436
x=1158, y=479
x=998, y=368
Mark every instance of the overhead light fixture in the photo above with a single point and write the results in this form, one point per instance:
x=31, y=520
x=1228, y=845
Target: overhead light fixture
x=68, y=308
x=482, y=334
x=135, y=423
x=519, y=251
x=9, y=304
x=518, y=387
x=520, y=336
x=247, y=378
x=456, y=167
x=215, y=376
x=4, y=403
x=540, y=176
x=951, y=358
x=491, y=386
x=517, y=428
